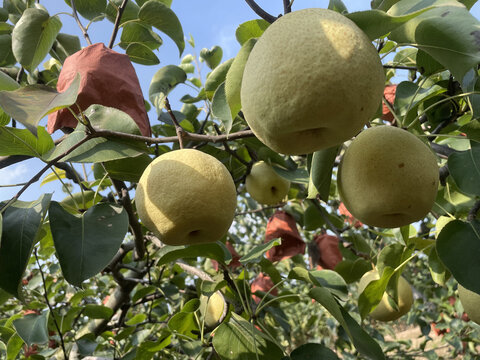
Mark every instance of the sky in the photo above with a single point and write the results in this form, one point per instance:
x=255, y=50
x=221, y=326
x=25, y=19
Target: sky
x=209, y=22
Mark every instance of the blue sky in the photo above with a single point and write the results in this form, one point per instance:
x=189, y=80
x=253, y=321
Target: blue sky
x=210, y=22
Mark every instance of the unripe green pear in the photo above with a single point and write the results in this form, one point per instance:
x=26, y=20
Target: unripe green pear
x=265, y=185
x=213, y=308
x=388, y=177
x=384, y=311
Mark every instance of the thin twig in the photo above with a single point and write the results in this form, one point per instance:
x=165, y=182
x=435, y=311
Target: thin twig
x=260, y=209
x=84, y=31
x=50, y=306
x=260, y=12
x=229, y=150
x=186, y=136
x=117, y=23
x=178, y=128
x=400, y=67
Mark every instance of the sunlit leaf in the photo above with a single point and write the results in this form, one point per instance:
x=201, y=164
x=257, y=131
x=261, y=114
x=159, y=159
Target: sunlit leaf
x=29, y=104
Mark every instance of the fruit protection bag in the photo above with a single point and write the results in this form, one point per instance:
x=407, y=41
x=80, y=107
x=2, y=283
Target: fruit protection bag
x=107, y=78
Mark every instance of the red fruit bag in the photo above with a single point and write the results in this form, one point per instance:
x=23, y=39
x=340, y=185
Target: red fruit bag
x=262, y=283
x=389, y=94
x=235, y=258
x=107, y=78
x=325, y=254
x=282, y=225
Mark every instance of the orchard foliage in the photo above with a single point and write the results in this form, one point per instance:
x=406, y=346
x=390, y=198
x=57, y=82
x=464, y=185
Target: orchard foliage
x=82, y=276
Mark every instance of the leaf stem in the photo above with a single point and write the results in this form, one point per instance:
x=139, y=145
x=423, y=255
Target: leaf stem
x=84, y=31
x=50, y=306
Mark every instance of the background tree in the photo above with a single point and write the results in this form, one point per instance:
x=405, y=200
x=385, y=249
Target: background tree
x=83, y=277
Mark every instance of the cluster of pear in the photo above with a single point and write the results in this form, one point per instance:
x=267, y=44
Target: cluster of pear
x=298, y=98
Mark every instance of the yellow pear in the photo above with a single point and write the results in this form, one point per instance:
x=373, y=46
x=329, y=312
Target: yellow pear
x=384, y=311
x=388, y=177
x=213, y=308
x=471, y=303
x=312, y=81
x=186, y=197
x=265, y=185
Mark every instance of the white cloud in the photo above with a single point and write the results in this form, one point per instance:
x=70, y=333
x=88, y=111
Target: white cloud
x=227, y=41
x=14, y=174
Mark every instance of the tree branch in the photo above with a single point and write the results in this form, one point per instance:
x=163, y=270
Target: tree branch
x=260, y=12
x=84, y=30
x=117, y=23
x=179, y=130
x=135, y=226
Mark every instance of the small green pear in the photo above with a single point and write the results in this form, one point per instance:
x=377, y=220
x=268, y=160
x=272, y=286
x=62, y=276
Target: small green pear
x=213, y=308
x=384, y=311
x=265, y=186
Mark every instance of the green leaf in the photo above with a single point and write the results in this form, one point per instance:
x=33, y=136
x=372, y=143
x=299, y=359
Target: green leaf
x=89, y=9
x=468, y=3
x=33, y=37
x=32, y=328
x=458, y=247
x=14, y=345
x=21, y=225
x=184, y=323
x=439, y=272
x=373, y=293
x=128, y=169
x=130, y=13
x=137, y=32
x=164, y=19
x=320, y=170
x=212, y=57
x=448, y=33
x=138, y=318
x=376, y=23
x=250, y=29
x=330, y=280
x=31, y=103
x=141, y=54
x=338, y=6
x=299, y=175
x=6, y=53
x=94, y=311
x=220, y=108
x=313, y=351
x=216, y=251
x=464, y=168
x=255, y=255
x=7, y=83
x=163, y=82
x=101, y=149
x=217, y=77
x=352, y=270
x=80, y=201
x=238, y=339
x=15, y=141
x=64, y=46
x=360, y=339
x=86, y=243
x=233, y=81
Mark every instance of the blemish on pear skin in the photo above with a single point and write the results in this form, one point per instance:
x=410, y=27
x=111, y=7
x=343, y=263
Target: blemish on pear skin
x=401, y=165
x=445, y=13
